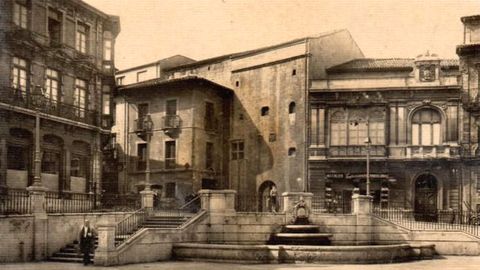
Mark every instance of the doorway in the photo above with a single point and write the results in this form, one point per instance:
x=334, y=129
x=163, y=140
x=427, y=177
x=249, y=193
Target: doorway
x=426, y=188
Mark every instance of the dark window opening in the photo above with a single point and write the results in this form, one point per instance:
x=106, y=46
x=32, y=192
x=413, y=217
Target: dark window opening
x=238, y=150
x=209, y=184
x=209, y=116
x=209, y=156
x=264, y=111
x=16, y=158
x=170, y=155
x=294, y=72
x=291, y=107
x=292, y=151
x=54, y=31
x=50, y=162
x=78, y=166
x=237, y=83
x=171, y=107
x=142, y=156
x=170, y=190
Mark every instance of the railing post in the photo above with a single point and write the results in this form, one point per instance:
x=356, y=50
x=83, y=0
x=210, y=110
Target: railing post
x=106, y=254
x=362, y=208
x=147, y=199
x=38, y=202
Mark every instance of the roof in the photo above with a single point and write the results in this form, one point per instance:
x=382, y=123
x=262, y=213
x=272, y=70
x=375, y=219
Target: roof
x=254, y=51
x=165, y=63
x=158, y=82
x=385, y=64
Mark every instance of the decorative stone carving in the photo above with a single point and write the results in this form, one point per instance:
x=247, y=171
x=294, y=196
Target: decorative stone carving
x=301, y=212
x=427, y=73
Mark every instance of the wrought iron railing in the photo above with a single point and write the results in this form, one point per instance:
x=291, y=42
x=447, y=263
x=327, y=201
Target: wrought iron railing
x=126, y=228
x=335, y=205
x=120, y=202
x=172, y=121
x=24, y=99
x=439, y=220
x=252, y=203
x=357, y=151
x=192, y=205
x=69, y=202
x=15, y=201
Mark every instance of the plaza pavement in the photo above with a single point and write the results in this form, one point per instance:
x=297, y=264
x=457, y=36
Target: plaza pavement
x=446, y=263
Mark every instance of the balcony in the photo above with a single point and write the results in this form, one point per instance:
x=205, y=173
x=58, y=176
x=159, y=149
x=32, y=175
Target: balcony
x=432, y=151
x=170, y=122
x=23, y=99
x=357, y=151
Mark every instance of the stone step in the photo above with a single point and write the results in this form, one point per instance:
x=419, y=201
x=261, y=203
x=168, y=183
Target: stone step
x=65, y=259
x=303, y=235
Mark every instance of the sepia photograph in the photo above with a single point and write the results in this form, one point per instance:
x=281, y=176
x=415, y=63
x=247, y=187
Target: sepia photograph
x=239, y=134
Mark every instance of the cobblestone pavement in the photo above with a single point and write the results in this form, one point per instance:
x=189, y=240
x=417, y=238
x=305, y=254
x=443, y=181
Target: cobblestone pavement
x=446, y=263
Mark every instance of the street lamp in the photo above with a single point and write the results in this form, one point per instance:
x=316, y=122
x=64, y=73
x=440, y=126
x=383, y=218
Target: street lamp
x=37, y=99
x=368, y=142
x=148, y=128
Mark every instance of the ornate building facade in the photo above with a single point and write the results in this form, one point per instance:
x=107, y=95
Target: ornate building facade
x=57, y=70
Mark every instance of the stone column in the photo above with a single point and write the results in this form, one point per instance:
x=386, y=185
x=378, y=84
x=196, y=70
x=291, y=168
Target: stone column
x=38, y=204
x=147, y=198
x=362, y=208
x=106, y=253
x=218, y=201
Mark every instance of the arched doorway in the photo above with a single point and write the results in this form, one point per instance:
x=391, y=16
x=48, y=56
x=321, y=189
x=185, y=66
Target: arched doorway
x=263, y=196
x=426, y=190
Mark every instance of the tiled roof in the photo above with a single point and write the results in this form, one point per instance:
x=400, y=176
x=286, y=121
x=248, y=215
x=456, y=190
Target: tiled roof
x=386, y=64
x=163, y=82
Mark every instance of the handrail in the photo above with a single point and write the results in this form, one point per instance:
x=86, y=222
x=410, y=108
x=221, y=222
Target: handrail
x=190, y=203
x=127, y=227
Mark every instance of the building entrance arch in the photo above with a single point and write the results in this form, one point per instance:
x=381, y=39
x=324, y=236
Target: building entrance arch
x=264, y=195
x=426, y=193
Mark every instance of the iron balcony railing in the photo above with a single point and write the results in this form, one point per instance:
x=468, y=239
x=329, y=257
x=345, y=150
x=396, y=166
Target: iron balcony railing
x=438, y=220
x=15, y=201
x=69, y=202
x=171, y=122
x=357, y=151
x=24, y=99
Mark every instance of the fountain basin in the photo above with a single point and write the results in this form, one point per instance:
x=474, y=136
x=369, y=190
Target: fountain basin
x=301, y=254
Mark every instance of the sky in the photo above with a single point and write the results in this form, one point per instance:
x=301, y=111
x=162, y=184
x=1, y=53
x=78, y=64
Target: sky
x=155, y=29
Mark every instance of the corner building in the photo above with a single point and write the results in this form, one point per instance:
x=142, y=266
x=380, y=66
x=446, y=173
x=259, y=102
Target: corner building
x=56, y=59
x=266, y=115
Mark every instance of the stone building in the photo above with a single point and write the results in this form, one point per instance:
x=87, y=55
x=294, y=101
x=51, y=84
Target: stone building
x=266, y=114
x=412, y=113
x=56, y=61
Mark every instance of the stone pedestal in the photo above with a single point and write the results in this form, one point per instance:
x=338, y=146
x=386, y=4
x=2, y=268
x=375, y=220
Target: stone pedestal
x=362, y=208
x=218, y=201
x=38, y=204
x=147, y=198
x=106, y=254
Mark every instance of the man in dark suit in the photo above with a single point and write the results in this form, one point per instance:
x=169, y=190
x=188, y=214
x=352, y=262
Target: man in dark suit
x=87, y=241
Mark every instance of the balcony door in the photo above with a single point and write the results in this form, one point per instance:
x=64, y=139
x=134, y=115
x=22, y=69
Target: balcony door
x=426, y=127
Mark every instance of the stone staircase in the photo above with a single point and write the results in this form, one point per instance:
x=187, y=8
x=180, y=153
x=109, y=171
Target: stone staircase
x=158, y=220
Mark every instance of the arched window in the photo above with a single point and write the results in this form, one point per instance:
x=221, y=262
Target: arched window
x=291, y=107
x=426, y=127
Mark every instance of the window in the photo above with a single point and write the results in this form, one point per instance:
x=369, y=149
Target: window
x=170, y=190
x=209, y=116
x=292, y=151
x=142, y=156
x=107, y=50
x=170, y=155
x=120, y=80
x=141, y=75
x=81, y=38
x=264, y=111
x=78, y=166
x=79, y=97
x=237, y=83
x=209, y=156
x=16, y=158
x=19, y=75
x=106, y=100
x=50, y=162
x=51, y=85
x=294, y=72
x=353, y=126
x=171, y=107
x=291, y=107
x=54, y=27
x=238, y=150
x=20, y=15
x=426, y=127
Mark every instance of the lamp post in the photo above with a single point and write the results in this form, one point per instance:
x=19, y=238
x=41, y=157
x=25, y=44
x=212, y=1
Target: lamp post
x=37, y=99
x=368, y=142
x=148, y=127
